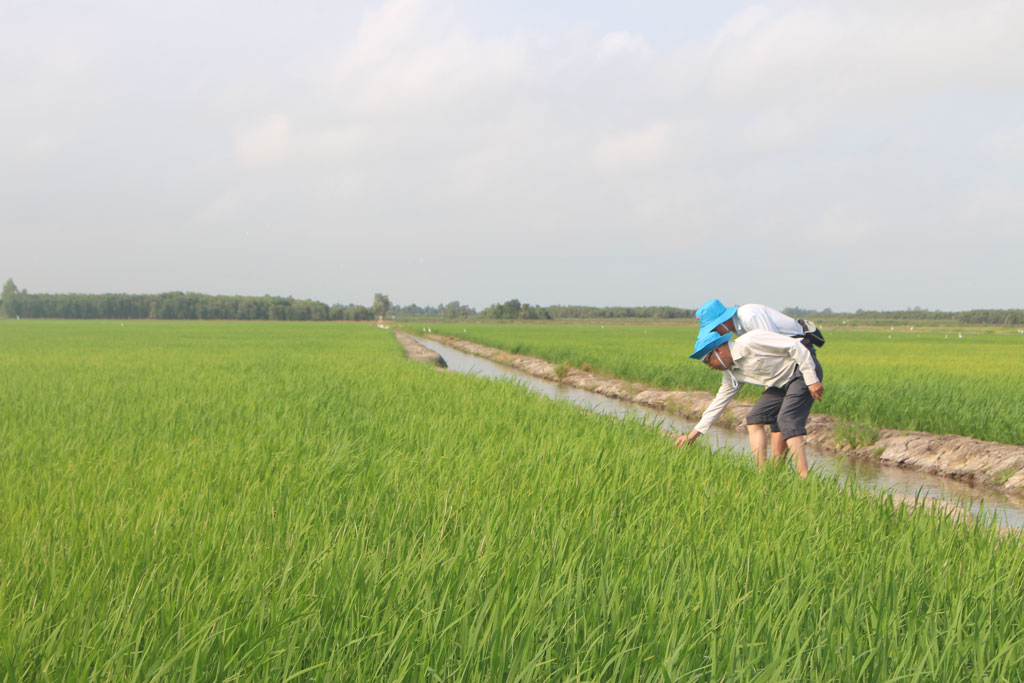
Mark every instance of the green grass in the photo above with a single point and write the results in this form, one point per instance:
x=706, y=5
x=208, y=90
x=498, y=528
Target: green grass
x=934, y=382
x=855, y=435
x=276, y=501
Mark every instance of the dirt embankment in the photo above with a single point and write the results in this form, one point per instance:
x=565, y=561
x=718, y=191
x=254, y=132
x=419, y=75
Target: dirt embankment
x=986, y=462
x=418, y=352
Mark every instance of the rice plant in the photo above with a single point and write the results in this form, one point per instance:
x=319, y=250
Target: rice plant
x=278, y=501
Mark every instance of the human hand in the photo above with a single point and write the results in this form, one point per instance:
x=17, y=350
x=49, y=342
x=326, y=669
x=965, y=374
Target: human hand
x=686, y=439
x=817, y=391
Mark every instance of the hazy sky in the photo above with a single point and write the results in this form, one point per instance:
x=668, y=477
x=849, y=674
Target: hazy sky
x=805, y=153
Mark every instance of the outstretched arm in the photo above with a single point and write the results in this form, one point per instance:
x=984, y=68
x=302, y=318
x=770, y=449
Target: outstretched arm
x=726, y=393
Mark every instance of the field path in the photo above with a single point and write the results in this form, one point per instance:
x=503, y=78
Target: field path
x=418, y=352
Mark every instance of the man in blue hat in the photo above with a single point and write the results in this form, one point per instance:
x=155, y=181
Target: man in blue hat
x=782, y=365
x=739, y=320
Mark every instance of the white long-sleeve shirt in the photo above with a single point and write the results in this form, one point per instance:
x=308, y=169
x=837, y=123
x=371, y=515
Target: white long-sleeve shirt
x=751, y=317
x=763, y=358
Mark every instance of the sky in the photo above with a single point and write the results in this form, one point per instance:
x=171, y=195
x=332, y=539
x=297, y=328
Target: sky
x=849, y=155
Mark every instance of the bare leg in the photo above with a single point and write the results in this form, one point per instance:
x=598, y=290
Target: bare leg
x=796, y=444
x=778, y=447
x=757, y=443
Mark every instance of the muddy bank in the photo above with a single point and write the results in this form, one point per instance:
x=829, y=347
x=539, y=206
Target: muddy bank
x=984, y=462
x=418, y=352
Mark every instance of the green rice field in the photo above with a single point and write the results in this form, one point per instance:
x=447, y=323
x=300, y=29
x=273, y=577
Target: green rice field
x=296, y=501
x=936, y=382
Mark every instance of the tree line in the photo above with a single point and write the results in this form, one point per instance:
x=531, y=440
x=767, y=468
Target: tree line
x=452, y=309
x=513, y=309
x=18, y=303
x=1014, y=317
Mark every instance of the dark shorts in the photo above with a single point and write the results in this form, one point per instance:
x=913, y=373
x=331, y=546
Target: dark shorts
x=786, y=408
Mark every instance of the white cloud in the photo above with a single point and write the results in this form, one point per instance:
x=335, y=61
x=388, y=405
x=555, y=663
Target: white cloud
x=408, y=56
x=383, y=33
x=410, y=129
x=432, y=76
x=1005, y=144
x=759, y=51
x=994, y=212
x=266, y=143
x=842, y=226
x=633, y=149
x=773, y=130
x=840, y=54
x=622, y=44
x=274, y=141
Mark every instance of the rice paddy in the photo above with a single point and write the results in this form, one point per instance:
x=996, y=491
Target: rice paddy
x=278, y=501
x=937, y=382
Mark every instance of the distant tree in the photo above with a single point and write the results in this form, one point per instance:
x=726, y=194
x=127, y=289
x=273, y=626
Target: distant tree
x=356, y=312
x=452, y=309
x=381, y=304
x=511, y=308
x=528, y=312
x=9, y=298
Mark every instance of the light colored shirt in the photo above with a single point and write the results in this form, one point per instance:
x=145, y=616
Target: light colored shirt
x=759, y=357
x=757, y=317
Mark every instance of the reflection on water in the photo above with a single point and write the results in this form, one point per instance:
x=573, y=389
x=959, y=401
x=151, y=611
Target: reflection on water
x=1008, y=509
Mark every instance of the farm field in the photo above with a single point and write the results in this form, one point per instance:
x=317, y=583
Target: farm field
x=239, y=501
x=933, y=382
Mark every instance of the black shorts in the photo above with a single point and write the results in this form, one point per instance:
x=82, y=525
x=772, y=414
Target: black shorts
x=785, y=408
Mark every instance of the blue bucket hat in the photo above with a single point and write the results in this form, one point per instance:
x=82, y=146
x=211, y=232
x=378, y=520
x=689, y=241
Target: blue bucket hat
x=707, y=341
x=713, y=313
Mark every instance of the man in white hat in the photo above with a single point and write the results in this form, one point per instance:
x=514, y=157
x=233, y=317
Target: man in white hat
x=782, y=365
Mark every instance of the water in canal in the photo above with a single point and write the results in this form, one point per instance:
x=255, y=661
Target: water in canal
x=1009, y=510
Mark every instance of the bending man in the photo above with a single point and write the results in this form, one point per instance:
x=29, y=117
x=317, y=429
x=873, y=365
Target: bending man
x=739, y=320
x=779, y=363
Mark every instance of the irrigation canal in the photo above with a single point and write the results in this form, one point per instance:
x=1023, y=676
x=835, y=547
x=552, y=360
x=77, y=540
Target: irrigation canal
x=1008, y=510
